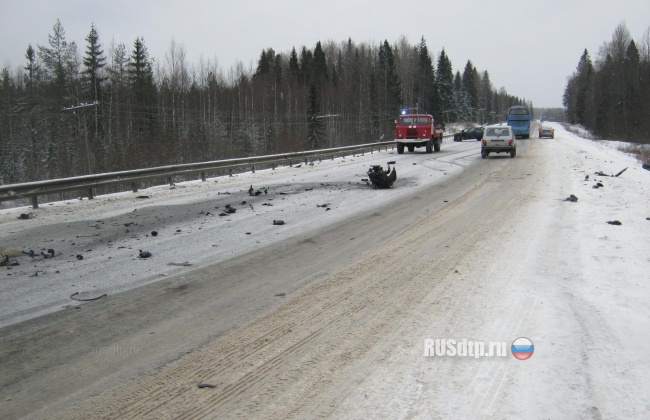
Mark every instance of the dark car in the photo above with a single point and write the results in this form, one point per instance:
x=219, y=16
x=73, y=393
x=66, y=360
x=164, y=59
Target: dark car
x=546, y=132
x=475, y=133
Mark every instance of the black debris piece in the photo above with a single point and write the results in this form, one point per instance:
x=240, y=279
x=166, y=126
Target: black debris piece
x=144, y=254
x=230, y=210
x=620, y=172
x=30, y=253
x=646, y=166
x=266, y=191
x=142, y=197
x=278, y=222
x=250, y=190
x=572, y=198
x=202, y=385
x=50, y=253
x=25, y=216
x=298, y=166
x=74, y=297
x=614, y=222
x=258, y=192
x=586, y=177
x=80, y=257
x=6, y=262
x=601, y=173
x=243, y=203
x=326, y=205
x=280, y=294
x=154, y=233
x=223, y=214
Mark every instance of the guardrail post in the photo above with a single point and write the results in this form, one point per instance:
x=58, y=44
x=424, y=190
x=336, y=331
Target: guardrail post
x=203, y=176
x=230, y=172
x=253, y=168
x=134, y=187
x=35, y=202
x=273, y=166
x=91, y=194
x=170, y=181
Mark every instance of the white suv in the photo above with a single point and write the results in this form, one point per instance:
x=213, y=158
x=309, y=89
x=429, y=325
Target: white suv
x=498, y=138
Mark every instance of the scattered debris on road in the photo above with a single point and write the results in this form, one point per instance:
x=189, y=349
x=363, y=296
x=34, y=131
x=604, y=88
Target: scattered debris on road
x=278, y=222
x=206, y=385
x=614, y=222
x=601, y=173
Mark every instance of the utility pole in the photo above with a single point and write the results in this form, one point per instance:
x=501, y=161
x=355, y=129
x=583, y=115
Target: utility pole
x=73, y=108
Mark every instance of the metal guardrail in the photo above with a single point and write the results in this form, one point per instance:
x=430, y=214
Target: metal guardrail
x=88, y=183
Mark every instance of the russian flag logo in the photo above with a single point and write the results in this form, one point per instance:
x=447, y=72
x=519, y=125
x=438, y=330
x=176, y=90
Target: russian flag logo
x=522, y=348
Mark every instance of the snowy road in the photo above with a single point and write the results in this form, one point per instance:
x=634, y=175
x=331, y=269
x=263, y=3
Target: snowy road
x=330, y=317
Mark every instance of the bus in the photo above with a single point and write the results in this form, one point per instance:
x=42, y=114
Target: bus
x=519, y=119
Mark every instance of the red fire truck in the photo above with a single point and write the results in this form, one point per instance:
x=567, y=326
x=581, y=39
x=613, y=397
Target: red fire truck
x=417, y=130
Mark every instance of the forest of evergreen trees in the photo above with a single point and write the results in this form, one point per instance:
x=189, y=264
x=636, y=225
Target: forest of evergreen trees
x=65, y=113
x=611, y=96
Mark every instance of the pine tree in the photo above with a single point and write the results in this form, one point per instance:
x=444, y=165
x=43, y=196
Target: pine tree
x=94, y=61
x=294, y=67
x=390, y=98
x=315, y=127
x=583, y=89
x=60, y=63
x=319, y=70
x=470, y=88
x=428, y=97
x=446, y=90
x=143, y=89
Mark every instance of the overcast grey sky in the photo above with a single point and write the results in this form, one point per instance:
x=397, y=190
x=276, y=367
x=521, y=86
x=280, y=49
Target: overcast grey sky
x=529, y=47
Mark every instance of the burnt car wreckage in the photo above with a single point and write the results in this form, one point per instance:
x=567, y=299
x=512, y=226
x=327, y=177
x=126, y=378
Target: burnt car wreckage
x=381, y=178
